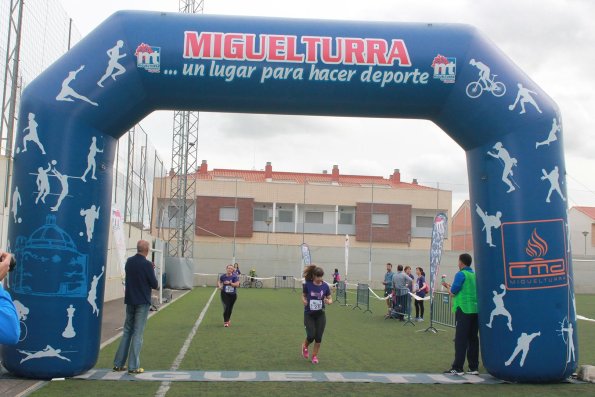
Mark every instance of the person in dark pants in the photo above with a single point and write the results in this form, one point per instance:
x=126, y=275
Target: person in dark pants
x=315, y=295
x=464, y=292
x=140, y=278
x=422, y=290
x=228, y=284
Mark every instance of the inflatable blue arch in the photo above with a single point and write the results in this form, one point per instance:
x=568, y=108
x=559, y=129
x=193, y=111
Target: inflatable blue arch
x=136, y=62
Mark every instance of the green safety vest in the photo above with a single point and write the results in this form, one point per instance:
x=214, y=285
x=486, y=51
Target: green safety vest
x=466, y=298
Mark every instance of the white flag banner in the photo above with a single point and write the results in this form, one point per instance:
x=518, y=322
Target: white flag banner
x=438, y=233
x=346, y=256
x=119, y=240
x=306, y=258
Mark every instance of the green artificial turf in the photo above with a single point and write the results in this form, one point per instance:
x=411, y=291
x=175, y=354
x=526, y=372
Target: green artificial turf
x=265, y=335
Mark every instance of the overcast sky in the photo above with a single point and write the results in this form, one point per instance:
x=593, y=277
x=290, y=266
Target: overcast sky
x=553, y=41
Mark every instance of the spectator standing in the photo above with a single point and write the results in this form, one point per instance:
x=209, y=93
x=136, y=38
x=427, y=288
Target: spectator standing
x=140, y=279
x=402, y=284
x=388, y=287
x=464, y=291
x=422, y=289
x=336, y=277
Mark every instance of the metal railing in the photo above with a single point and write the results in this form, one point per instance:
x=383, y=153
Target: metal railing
x=363, y=297
x=441, y=308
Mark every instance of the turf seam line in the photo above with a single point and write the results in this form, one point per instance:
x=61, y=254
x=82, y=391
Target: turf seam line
x=164, y=387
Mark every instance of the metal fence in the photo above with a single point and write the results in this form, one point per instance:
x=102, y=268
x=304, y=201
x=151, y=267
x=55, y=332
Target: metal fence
x=363, y=297
x=441, y=308
x=341, y=293
x=285, y=282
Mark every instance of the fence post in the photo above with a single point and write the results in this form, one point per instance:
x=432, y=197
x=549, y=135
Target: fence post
x=341, y=293
x=363, y=297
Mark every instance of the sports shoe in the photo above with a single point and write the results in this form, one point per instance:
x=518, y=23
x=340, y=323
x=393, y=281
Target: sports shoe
x=314, y=360
x=136, y=371
x=304, y=351
x=453, y=371
x=119, y=369
x=474, y=372
x=226, y=324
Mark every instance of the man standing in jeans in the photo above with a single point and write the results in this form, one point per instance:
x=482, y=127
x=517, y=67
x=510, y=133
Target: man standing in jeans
x=464, y=292
x=140, y=278
x=402, y=283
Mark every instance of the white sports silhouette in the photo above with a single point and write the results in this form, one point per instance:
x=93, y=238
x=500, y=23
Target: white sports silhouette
x=16, y=201
x=91, y=164
x=92, y=297
x=489, y=222
x=91, y=215
x=32, y=135
x=522, y=345
x=569, y=340
x=114, y=56
x=64, y=184
x=524, y=96
x=47, y=351
x=67, y=92
x=553, y=177
x=508, y=162
x=43, y=183
x=500, y=310
x=551, y=137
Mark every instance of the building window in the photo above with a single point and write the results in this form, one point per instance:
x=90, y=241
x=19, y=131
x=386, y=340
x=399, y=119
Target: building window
x=424, y=221
x=228, y=214
x=380, y=219
x=261, y=214
x=345, y=218
x=314, y=217
x=285, y=216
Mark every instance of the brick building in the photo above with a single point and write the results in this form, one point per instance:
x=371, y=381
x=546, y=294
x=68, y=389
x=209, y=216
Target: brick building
x=461, y=232
x=289, y=208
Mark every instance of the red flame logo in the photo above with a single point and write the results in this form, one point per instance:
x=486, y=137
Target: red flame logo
x=439, y=59
x=536, y=246
x=143, y=48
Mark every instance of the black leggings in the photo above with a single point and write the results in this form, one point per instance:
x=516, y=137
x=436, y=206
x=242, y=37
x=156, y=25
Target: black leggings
x=419, y=308
x=228, y=301
x=314, y=323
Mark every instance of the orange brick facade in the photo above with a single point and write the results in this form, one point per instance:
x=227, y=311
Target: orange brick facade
x=461, y=233
x=398, y=229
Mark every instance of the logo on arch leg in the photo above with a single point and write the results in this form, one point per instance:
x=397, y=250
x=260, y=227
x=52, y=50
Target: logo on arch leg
x=542, y=264
x=148, y=58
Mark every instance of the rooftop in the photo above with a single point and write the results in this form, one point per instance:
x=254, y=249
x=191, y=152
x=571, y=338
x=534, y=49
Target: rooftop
x=589, y=211
x=323, y=178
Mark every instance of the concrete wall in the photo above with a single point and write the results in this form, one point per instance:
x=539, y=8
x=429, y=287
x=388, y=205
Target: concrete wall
x=270, y=260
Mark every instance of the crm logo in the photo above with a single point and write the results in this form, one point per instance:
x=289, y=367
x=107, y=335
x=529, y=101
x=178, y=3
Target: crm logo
x=543, y=263
x=445, y=69
x=148, y=58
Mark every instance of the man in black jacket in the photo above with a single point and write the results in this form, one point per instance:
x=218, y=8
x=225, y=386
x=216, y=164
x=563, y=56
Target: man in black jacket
x=140, y=278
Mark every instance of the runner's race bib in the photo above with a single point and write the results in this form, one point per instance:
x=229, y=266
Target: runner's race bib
x=315, y=304
x=229, y=289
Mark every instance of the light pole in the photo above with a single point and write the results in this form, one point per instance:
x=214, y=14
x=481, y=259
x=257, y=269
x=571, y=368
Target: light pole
x=268, y=222
x=585, y=234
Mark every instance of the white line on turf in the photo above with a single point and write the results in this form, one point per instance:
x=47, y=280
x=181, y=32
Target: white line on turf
x=164, y=387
